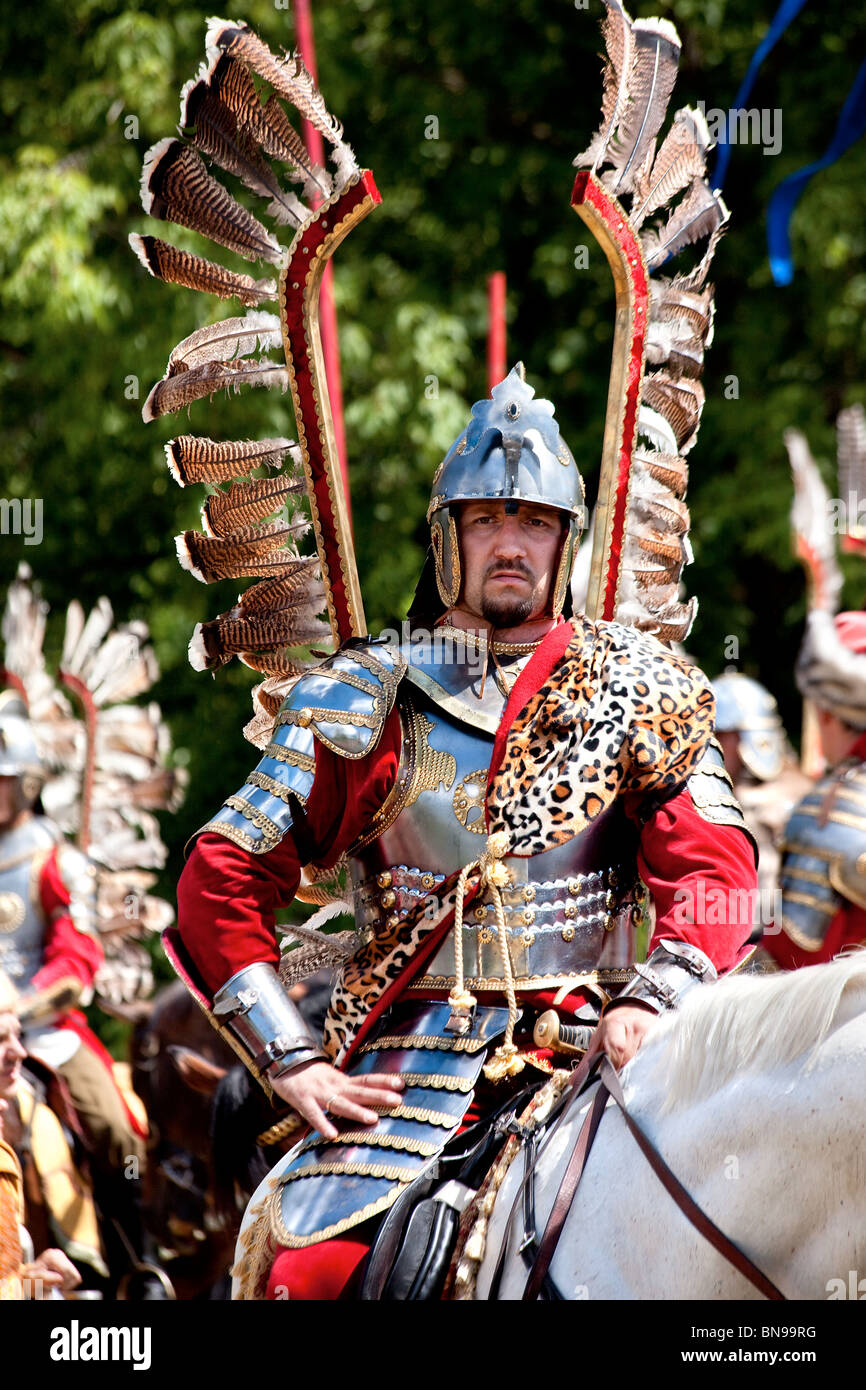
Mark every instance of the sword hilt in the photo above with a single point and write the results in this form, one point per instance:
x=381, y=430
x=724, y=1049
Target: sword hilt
x=562, y=1037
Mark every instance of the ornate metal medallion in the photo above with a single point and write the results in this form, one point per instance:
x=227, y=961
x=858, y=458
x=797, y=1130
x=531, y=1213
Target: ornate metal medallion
x=468, y=801
x=12, y=911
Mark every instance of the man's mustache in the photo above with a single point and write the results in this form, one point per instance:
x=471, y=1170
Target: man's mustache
x=517, y=568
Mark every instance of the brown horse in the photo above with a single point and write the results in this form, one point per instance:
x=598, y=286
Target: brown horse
x=205, y=1113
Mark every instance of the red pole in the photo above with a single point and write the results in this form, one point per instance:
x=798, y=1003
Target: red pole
x=327, y=308
x=496, y=368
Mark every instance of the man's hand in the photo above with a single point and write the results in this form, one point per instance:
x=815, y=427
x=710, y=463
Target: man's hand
x=317, y=1085
x=51, y=1271
x=621, y=1032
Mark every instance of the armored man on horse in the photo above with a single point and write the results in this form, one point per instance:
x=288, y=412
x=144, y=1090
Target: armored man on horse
x=514, y=784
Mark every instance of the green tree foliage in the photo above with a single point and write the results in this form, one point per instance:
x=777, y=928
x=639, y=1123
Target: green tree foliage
x=470, y=117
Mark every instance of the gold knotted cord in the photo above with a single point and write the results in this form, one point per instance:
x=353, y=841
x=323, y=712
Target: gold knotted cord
x=494, y=876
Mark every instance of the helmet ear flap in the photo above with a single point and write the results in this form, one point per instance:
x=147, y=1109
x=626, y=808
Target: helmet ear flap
x=446, y=553
x=570, y=540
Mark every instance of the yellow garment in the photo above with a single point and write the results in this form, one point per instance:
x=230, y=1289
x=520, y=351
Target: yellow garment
x=66, y=1195
x=11, y=1212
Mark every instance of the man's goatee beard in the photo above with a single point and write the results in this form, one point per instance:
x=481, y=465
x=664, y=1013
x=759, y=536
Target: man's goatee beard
x=506, y=612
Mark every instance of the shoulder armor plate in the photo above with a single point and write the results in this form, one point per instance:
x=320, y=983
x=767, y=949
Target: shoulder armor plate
x=344, y=703
x=824, y=850
x=712, y=792
x=346, y=700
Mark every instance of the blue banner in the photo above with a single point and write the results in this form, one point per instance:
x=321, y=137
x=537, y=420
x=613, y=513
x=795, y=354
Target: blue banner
x=787, y=11
x=851, y=125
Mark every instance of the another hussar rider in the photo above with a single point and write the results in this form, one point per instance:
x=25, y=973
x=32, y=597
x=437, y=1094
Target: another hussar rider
x=50, y=952
x=823, y=875
x=563, y=761
x=763, y=768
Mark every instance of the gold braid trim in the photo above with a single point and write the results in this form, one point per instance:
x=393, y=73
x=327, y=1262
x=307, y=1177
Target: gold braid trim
x=319, y=715
x=417, y=1112
x=427, y=1040
x=270, y=784
x=366, y=1170
x=369, y=1139
x=283, y=754
x=286, y=1238
x=279, y=1131
x=437, y=1081
x=269, y=828
x=236, y=835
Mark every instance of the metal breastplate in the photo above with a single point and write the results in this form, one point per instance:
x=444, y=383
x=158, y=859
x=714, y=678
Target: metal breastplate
x=22, y=921
x=569, y=911
x=824, y=856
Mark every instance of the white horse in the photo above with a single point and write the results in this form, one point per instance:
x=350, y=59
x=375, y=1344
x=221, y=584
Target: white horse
x=755, y=1095
x=754, y=1092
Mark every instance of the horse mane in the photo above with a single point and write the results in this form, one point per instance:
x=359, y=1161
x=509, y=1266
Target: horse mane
x=748, y=1024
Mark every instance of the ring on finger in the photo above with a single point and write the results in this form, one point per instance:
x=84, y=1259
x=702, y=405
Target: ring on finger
x=329, y=1102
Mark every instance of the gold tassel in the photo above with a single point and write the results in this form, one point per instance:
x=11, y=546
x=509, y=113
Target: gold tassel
x=506, y=1061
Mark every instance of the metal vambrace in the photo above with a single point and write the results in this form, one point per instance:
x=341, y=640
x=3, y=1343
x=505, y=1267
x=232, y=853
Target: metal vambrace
x=254, y=1008
x=673, y=968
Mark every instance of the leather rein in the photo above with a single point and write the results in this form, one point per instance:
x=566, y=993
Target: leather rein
x=610, y=1088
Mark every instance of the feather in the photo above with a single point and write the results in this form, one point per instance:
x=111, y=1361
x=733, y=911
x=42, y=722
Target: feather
x=810, y=515
x=655, y=55
x=176, y=186
x=246, y=503
x=175, y=392
x=669, y=303
x=213, y=129
x=667, y=550
x=653, y=503
x=266, y=124
x=257, y=550
x=289, y=78
x=176, y=267
x=215, y=643
x=674, y=344
x=699, y=214
x=194, y=459
x=681, y=159
x=224, y=341
x=714, y=225
x=90, y=635
x=280, y=593
x=268, y=699
x=616, y=31
x=679, y=402
x=272, y=663
x=124, y=666
x=284, y=143
x=654, y=427
x=668, y=469
x=345, y=943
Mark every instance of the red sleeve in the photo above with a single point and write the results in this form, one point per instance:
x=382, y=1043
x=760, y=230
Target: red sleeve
x=68, y=951
x=702, y=879
x=227, y=897
x=846, y=930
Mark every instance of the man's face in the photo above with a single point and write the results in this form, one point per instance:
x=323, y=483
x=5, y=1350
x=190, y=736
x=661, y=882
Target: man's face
x=12, y=1055
x=509, y=560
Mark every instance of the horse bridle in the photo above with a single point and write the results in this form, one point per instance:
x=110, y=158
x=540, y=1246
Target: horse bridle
x=609, y=1088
